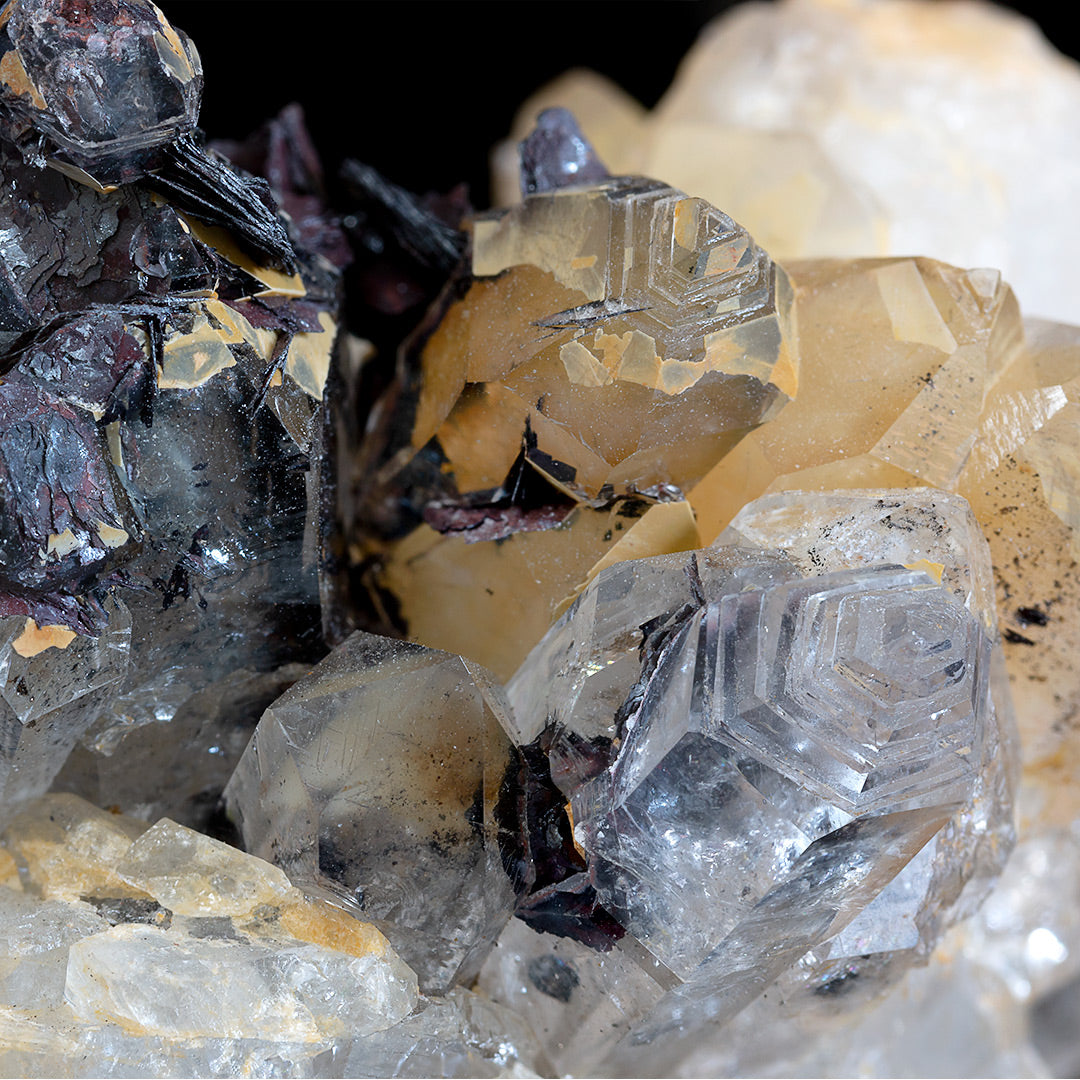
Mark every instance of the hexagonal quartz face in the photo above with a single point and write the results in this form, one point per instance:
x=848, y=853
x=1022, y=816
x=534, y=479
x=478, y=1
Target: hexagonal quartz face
x=776, y=713
x=863, y=686
x=629, y=334
x=375, y=779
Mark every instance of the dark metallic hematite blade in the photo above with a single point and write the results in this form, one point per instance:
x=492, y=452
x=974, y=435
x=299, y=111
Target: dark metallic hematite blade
x=211, y=189
x=428, y=239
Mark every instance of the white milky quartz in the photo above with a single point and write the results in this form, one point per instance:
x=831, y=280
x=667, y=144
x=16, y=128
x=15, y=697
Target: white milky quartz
x=232, y=989
x=842, y=128
x=135, y=951
x=192, y=874
x=35, y=936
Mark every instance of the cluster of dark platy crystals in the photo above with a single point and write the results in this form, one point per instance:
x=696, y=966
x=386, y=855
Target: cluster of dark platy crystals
x=97, y=260
x=92, y=268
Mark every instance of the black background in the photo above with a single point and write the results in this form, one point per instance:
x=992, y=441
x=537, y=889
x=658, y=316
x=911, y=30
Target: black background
x=422, y=90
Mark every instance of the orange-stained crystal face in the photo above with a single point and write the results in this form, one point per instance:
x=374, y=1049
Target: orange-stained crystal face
x=613, y=343
x=629, y=334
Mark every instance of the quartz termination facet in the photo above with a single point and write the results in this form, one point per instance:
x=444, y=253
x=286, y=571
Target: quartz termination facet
x=376, y=779
x=614, y=341
x=779, y=768
x=660, y=306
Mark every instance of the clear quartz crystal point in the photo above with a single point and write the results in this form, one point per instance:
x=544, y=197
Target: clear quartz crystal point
x=375, y=779
x=808, y=748
x=666, y=337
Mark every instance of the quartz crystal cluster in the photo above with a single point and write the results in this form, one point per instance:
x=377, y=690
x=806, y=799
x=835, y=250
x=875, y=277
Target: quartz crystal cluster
x=650, y=335
x=640, y=657
x=840, y=712
x=844, y=128
x=154, y=949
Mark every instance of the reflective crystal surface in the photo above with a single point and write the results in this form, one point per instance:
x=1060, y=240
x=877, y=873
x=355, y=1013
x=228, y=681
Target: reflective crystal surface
x=580, y=1001
x=614, y=341
x=147, y=79
x=159, y=472
x=376, y=778
x=137, y=950
x=192, y=756
x=493, y=597
x=779, y=759
x=650, y=366
x=56, y=684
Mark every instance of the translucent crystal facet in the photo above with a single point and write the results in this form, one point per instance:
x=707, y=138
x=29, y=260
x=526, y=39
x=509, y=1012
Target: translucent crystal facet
x=54, y=685
x=614, y=341
x=780, y=761
x=376, y=777
x=761, y=515
x=662, y=309
x=161, y=949
x=840, y=130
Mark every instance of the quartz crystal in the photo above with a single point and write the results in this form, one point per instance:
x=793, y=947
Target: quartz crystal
x=698, y=328
x=635, y=656
x=159, y=937
x=849, y=129
x=780, y=753
x=55, y=686
x=377, y=778
x=574, y=378
x=142, y=950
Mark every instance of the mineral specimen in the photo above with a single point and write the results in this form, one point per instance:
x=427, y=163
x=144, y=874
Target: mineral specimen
x=376, y=777
x=761, y=553
x=614, y=342
x=160, y=460
x=151, y=950
x=110, y=93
